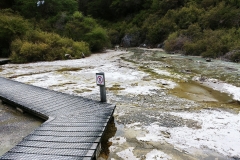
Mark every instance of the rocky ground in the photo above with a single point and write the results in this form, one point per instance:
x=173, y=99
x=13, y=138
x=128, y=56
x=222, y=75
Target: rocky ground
x=168, y=106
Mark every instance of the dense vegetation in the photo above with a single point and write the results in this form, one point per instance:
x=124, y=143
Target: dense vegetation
x=47, y=32
x=209, y=28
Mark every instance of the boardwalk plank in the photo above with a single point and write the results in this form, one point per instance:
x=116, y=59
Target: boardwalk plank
x=74, y=125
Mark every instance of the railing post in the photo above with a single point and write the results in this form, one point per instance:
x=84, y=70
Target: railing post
x=100, y=80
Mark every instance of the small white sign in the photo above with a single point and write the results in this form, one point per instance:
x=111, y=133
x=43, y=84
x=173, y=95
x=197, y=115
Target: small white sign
x=100, y=79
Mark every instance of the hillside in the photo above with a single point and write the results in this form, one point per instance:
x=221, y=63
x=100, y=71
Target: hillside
x=209, y=28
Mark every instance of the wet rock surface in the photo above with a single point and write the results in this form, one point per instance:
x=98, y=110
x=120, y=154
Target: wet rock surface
x=161, y=106
x=136, y=111
x=164, y=120
x=14, y=126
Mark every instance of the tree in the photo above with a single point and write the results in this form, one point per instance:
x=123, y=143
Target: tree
x=221, y=16
x=159, y=29
x=97, y=39
x=6, y=4
x=29, y=8
x=187, y=16
x=121, y=8
x=100, y=9
x=81, y=28
x=11, y=26
x=162, y=6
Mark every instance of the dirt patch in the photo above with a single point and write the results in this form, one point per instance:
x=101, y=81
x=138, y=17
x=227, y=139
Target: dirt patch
x=74, y=69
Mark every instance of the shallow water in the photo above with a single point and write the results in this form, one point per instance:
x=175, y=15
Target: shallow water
x=14, y=126
x=141, y=148
x=197, y=92
x=188, y=67
x=188, y=95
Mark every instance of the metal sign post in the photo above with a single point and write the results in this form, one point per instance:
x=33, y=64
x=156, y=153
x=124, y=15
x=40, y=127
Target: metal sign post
x=100, y=80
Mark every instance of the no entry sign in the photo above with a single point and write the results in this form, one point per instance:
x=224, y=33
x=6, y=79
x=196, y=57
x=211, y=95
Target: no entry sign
x=100, y=80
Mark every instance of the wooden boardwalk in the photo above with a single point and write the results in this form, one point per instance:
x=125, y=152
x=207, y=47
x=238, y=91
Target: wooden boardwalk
x=4, y=61
x=74, y=125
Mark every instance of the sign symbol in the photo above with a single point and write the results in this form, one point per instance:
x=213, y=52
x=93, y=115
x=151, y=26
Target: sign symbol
x=100, y=80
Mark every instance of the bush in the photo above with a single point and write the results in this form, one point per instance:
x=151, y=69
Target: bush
x=158, y=32
x=78, y=15
x=233, y=56
x=97, y=39
x=43, y=46
x=29, y=52
x=175, y=43
x=187, y=16
x=11, y=26
x=79, y=48
x=29, y=8
x=196, y=49
x=220, y=16
x=114, y=36
x=215, y=47
x=194, y=32
x=80, y=28
x=64, y=42
x=34, y=52
x=16, y=45
x=208, y=43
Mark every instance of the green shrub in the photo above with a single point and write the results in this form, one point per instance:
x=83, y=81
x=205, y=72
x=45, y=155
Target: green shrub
x=34, y=52
x=90, y=22
x=16, y=45
x=159, y=29
x=11, y=26
x=64, y=42
x=79, y=48
x=80, y=28
x=193, y=32
x=220, y=16
x=215, y=47
x=15, y=58
x=209, y=43
x=175, y=42
x=114, y=36
x=187, y=16
x=78, y=15
x=235, y=57
x=54, y=53
x=196, y=49
x=29, y=52
x=29, y=8
x=43, y=46
x=97, y=39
